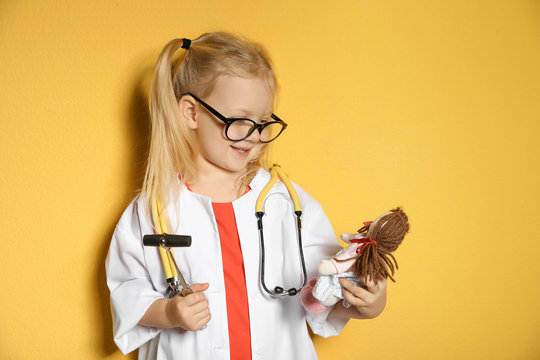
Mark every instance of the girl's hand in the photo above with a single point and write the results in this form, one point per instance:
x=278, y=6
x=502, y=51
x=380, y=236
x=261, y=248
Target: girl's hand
x=190, y=312
x=369, y=300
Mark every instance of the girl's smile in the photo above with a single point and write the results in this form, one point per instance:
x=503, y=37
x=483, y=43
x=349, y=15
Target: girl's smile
x=241, y=151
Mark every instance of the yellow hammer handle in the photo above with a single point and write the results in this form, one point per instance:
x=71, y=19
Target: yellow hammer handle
x=160, y=226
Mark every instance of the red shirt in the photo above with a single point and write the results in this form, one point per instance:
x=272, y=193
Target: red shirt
x=235, y=282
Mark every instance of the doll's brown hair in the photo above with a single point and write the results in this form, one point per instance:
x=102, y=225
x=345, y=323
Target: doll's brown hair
x=375, y=257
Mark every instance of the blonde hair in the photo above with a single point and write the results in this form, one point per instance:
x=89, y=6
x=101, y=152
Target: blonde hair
x=173, y=148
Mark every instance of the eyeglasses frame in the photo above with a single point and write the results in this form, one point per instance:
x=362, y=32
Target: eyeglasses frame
x=230, y=121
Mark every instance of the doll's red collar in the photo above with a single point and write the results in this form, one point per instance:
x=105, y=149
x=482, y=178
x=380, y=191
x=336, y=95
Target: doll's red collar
x=364, y=242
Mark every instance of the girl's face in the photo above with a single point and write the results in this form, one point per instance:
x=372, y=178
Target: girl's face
x=233, y=97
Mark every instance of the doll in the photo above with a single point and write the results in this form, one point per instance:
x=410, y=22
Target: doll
x=369, y=256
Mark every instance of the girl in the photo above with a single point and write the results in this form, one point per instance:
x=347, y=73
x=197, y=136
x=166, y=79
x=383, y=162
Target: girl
x=212, y=123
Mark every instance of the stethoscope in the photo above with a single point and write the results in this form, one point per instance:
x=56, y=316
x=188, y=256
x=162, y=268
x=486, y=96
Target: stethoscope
x=165, y=241
x=276, y=172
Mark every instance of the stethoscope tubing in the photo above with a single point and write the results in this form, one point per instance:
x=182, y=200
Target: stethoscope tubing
x=175, y=280
x=278, y=290
x=275, y=172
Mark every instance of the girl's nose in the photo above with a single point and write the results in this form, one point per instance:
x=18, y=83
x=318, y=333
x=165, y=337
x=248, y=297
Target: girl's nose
x=254, y=137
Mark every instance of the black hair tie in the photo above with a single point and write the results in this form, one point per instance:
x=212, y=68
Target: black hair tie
x=186, y=43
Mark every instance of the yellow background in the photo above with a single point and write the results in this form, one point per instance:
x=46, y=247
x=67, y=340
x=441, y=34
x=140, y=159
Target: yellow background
x=433, y=105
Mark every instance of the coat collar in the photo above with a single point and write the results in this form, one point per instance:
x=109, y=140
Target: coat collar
x=259, y=181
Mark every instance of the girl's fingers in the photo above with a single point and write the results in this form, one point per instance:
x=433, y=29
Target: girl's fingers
x=355, y=290
x=199, y=307
x=197, y=295
x=369, y=299
x=190, y=299
x=200, y=287
x=202, y=316
x=374, y=288
x=353, y=300
x=203, y=321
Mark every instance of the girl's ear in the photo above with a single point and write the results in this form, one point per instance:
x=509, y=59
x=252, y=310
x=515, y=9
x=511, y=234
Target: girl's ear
x=188, y=106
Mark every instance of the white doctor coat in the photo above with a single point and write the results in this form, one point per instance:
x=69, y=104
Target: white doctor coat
x=136, y=279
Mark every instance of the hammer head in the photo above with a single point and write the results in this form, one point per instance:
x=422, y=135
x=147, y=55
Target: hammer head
x=167, y=240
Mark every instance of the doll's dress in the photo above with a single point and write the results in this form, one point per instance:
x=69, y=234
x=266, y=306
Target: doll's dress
x=328, y=289
x=325, y=290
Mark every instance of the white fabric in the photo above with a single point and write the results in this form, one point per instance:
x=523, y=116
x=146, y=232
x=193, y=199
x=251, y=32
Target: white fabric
x=328, y=290
x=278, y=326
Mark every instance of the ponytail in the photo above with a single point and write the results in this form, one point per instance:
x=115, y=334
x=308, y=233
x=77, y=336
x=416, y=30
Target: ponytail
x=172, y=150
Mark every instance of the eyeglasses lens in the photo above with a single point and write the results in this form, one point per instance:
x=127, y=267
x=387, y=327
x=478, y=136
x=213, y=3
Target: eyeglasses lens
x=240, y=129
x=271, y=131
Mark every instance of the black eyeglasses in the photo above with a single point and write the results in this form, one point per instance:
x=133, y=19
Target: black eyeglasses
x=238, y=129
